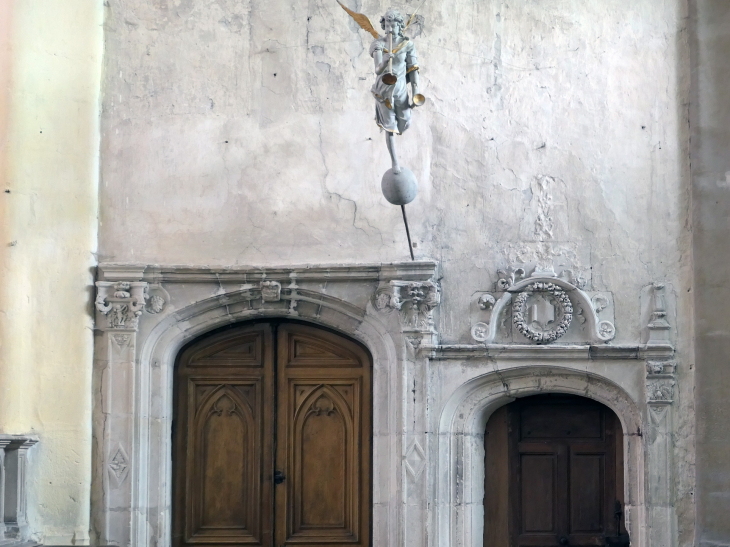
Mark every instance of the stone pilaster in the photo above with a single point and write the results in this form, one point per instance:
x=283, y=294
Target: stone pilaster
x=119, y=305
x=415, y=303
x=660, y=383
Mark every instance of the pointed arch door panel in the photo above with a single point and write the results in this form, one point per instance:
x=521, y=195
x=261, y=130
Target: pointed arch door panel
x=271, y=439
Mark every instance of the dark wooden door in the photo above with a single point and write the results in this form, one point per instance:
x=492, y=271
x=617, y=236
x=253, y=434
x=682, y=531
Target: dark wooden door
x=272, y=439
x=554, y=474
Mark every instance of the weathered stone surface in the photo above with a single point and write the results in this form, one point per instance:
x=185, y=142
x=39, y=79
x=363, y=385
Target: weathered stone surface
x=554, y=137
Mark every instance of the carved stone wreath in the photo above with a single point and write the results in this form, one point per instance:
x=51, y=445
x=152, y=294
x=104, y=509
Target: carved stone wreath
x=564, y=311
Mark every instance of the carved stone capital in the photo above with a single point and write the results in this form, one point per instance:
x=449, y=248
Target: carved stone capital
x=660, y=382
x=415, y=301
x=121, y=303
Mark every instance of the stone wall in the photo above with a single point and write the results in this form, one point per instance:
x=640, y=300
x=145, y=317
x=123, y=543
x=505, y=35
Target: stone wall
x=241, y=133
x=710, y=122
x=50, y=69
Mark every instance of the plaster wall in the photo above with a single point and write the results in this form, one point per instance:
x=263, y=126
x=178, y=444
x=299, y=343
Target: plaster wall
x=710, y=122
x=555, y=133
x=243, y=133
x=50, y=67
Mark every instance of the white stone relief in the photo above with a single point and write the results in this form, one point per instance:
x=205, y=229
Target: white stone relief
x=659, y=326
x=121, y=302
x=156, y=304
x=543, y=197
x=415, y=460
x=660, y=391
x=414, y=301
x=270, y=291
x=542, y=305
x=509, y=277
x=480, y=332
x=570, y=259
x=118, y=465
x=121, y=339
x=660, y=382
x=542, y=312
x=599, y=302
x=486, y=302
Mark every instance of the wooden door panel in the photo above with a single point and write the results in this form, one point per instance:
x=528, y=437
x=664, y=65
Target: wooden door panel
x=222, y=458
x=564, y=457
x=587, y=485
x=249, y=397
x=324, y=496
x=539, y=504
x=546, y=421
x=230, y=349
x=323, y=435
x=224, y=435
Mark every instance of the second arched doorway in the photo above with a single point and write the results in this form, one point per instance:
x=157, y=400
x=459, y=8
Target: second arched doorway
x=272, y=438
x=554, y=474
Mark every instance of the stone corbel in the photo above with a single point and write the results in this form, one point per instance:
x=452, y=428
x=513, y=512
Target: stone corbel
x=415, y=302
x=122, y=303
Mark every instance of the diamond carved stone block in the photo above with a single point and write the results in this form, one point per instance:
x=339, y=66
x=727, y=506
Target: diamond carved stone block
x=415, y=460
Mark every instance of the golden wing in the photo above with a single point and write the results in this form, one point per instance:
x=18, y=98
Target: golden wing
x=413, y=15
x=361, y=20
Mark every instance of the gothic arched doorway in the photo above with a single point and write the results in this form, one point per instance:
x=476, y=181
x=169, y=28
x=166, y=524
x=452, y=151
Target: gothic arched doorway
x=272, y=438
x=554, y=474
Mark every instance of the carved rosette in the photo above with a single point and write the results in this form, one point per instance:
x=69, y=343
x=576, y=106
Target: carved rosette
x=415, y=302
x=553, y=296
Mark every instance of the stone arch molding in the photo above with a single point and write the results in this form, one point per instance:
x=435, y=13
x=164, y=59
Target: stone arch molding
x=147, y=314
x=459, y=483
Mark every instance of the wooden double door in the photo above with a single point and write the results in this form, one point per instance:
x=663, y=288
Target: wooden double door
x=554, y=474
x=272, y=439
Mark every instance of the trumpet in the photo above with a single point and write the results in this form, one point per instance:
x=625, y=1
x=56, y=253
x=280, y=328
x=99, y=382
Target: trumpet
x=389, y=78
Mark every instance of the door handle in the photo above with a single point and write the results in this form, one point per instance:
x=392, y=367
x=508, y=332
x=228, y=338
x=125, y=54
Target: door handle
x=563, y=540
x=279, y=477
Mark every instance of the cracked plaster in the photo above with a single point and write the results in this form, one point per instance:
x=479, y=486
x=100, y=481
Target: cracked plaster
x=242, y=133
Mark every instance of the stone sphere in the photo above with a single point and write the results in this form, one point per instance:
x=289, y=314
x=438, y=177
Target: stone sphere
x=399, y=188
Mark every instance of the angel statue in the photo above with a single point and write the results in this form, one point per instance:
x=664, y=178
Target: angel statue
x=396, y=65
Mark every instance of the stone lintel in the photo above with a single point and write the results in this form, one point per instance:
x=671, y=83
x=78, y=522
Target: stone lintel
x=407, y=271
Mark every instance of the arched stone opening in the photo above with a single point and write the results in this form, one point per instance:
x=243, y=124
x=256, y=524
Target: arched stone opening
x=262, y=399
x=554, y=473
x=460, y=467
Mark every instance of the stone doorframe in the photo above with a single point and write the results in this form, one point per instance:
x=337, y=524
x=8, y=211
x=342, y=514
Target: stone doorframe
x=457, y=519
x=146, y=314
x=431, y=401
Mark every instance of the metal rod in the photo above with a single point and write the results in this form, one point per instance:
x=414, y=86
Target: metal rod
x=408, y=233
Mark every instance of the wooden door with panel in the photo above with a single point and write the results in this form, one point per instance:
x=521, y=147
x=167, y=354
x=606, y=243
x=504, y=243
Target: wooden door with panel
x=323, y=439
x=563, y=456
x=222, y=440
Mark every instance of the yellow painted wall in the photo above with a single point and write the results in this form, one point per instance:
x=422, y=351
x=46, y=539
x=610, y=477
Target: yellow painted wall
x=50, y=65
